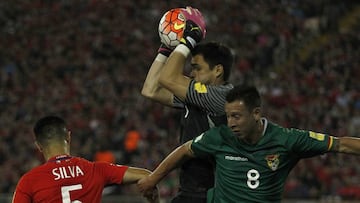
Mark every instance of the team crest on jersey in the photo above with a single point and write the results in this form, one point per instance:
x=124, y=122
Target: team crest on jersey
x=273, y=161
x=201, y=88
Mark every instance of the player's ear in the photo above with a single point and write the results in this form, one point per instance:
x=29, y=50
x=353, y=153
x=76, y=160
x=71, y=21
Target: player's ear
x=257, y=113
x=219, y=70
x=38, y=145
x=68, y=137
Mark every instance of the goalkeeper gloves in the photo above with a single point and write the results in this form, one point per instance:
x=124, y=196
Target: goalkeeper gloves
x=164, y=50
x=195, y=29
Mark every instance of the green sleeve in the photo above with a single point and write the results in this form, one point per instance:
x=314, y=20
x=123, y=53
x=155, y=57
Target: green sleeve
x=308, y=143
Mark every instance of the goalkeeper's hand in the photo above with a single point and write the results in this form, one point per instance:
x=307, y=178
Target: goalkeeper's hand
x=195, y=28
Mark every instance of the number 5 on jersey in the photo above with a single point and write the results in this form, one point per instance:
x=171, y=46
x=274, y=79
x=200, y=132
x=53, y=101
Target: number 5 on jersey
x=65, y=193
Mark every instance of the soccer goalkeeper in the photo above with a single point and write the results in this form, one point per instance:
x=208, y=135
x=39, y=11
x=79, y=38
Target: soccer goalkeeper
x=200, y=96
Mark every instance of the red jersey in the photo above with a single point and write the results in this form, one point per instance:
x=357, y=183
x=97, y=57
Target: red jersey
x=66, y=179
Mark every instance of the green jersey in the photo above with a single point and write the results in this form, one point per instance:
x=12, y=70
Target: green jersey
x=256, y=173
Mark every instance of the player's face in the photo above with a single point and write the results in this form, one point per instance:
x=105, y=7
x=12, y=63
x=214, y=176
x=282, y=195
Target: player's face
x=201, y=70
x=241, y=121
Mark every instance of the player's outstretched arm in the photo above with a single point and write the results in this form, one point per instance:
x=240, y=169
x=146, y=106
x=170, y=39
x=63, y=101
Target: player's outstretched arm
x=151, y=88
x=350, y=145
x=133, y=174
x=172, y=77
x=172, y=161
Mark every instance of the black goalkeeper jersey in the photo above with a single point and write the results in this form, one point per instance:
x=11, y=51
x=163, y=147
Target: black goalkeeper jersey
x=203, y=109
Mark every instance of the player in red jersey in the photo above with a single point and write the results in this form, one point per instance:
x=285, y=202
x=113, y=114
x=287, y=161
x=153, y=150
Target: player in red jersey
x=68, y=179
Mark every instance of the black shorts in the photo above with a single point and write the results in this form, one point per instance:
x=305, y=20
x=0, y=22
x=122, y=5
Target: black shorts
x=188, y=199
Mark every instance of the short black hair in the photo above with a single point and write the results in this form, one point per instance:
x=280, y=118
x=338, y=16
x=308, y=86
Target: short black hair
x=246, y=93
x=215, y=53
x=50, y=128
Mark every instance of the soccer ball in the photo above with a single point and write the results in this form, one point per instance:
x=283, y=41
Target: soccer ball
x=171, y=27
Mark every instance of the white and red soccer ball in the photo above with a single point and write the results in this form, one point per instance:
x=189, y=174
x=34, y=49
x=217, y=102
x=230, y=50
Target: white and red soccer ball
x=171, y=27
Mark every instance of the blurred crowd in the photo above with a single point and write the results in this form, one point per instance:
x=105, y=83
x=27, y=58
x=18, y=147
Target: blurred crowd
x=86, y=60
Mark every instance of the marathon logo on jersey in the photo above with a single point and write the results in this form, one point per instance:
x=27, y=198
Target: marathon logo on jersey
x=199, y=87
x=235, y=158
x=272, y=161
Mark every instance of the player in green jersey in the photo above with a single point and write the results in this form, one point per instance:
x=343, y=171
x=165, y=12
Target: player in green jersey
x=253, y=156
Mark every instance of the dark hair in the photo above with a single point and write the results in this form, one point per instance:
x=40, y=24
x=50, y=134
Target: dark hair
x=50, y=128
x=248, y=94
x=215, y=53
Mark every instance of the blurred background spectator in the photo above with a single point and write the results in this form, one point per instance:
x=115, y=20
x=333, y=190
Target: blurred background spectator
x=86, y=60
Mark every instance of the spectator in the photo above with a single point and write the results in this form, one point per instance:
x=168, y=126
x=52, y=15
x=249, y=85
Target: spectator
x=64, y=57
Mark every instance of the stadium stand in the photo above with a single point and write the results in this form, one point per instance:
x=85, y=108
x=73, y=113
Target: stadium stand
x=86, y=60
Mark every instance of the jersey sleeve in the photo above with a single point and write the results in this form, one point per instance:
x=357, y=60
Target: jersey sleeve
x=208, y=97
x=309, y=143
x=177, y=103
x=207, y=143
x=20, y=194
x=112, y=173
